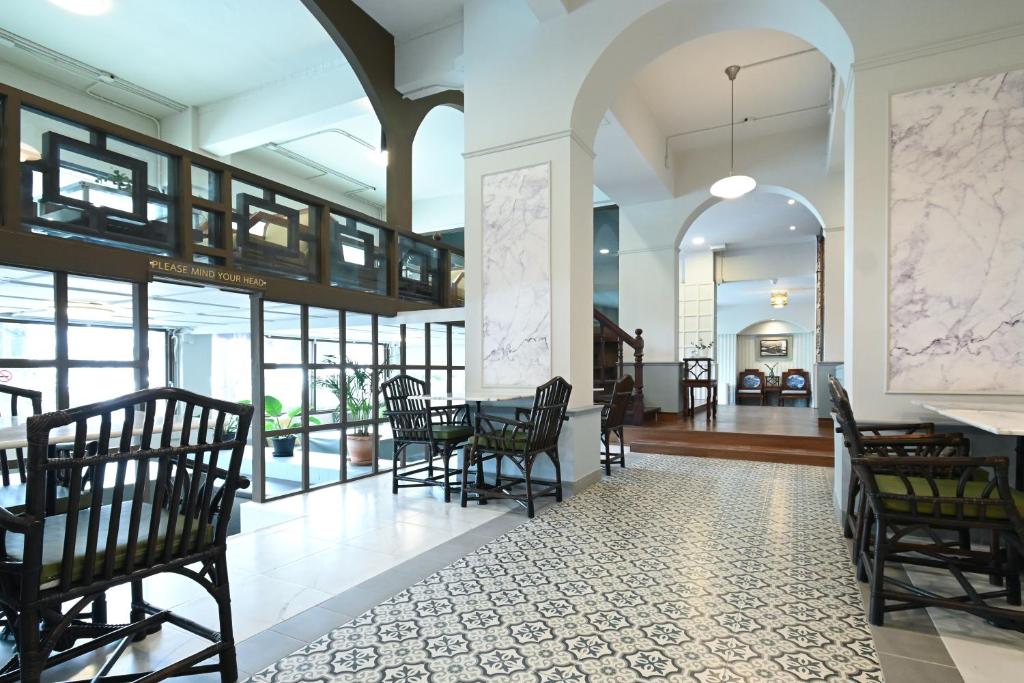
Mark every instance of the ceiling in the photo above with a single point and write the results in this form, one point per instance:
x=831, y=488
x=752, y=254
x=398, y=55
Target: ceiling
x=756, y=292
x=409, y=18
x=254, y=44
x=754, y=220
x=686, y=89
x=169, y=47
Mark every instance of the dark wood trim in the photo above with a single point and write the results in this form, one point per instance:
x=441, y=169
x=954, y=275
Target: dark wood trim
x=60, y=320
x=10, y=160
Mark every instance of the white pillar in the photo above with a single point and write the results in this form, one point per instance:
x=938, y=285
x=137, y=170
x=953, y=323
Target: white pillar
x=833, y=324
x=529, y=280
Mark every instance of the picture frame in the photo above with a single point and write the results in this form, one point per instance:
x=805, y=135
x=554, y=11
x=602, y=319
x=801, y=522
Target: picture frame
x=773, y=347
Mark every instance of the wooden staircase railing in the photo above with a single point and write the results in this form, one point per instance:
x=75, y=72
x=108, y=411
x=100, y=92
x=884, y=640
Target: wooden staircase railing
x=610, y=337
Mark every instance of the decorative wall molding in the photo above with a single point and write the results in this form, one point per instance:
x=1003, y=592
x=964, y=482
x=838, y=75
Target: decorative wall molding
x=959, y=43
x=955, y=238
x=516, y=265
x=528, y=142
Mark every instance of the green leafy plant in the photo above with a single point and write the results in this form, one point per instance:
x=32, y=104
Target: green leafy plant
x=358, y=392
x=276, y=417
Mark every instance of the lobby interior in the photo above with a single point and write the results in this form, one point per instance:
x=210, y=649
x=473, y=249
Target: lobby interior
x=711, y=311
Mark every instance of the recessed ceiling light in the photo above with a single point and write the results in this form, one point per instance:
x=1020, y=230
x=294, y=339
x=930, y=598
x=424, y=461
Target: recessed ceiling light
x=90, y=8
x=604, y=251
x=698, y=241
x=792, y=227
x=791, y=202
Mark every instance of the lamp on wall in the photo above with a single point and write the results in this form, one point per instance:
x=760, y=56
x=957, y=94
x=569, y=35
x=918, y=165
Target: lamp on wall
x=732, y=186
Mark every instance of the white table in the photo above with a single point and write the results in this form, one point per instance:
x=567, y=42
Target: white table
x=13, y=433
x=1002, y=420
x=475, y=398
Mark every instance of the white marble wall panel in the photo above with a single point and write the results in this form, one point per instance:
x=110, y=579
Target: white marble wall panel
x=956, y=238
x=517, y=277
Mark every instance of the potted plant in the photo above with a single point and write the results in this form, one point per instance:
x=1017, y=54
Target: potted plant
x=275, y=417
x=358, y=396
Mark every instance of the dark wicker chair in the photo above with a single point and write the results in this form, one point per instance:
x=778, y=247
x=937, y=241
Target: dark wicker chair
x=913, y=503
x=21, y=403
x=883, y=439
x=522, y=440
x=170, y=473
x=440, y=430
x=613, y=421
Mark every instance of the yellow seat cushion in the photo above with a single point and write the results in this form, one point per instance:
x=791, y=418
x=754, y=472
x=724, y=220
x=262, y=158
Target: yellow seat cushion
x=947, y=489
x=496, y=441
x=53, y=541
x=451, y=432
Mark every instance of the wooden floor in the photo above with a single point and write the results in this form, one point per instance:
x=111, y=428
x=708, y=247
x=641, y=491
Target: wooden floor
x=764, y=433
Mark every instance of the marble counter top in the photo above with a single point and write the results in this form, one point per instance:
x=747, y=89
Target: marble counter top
x=1004, y=420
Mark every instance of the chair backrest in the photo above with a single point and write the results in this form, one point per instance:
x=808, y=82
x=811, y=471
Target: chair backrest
x=22, y=403
x=796, y=379
x=409, y=419
x=698, y=368
x=622, y=392
x=548, y=413
x=843, y=411
x=170, y=472
x=751, y=378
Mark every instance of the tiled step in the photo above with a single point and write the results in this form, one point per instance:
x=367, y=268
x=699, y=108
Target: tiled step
x=793, y=455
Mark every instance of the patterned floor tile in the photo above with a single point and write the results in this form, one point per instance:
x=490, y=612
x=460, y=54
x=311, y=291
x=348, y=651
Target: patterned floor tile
x=674, y=569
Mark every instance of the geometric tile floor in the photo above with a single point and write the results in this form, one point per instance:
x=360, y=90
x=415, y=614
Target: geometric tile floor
x=672, y=569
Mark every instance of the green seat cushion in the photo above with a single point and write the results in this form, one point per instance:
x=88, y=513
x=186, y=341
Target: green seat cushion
x=451, y=432
x=53, y=541
x=496, y=441
x=888, y=483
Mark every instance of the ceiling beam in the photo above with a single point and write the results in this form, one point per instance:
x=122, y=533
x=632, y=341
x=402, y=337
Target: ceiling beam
x=550, y=9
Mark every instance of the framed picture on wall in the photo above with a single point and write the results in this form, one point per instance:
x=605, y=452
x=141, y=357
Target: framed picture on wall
x=773, y=347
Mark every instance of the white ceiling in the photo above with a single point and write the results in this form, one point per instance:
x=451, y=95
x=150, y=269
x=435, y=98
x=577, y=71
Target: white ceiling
x=756, y=292
x=193, y=51
x=754, y=220
x=409, y=18
x=686, y=89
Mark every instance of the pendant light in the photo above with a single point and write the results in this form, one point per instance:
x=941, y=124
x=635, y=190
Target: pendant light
x=733, y=186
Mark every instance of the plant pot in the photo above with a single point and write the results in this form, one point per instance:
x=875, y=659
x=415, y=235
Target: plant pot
x=360, y=449
x=284, y=446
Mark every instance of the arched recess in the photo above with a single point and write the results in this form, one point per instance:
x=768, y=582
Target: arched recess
x=370, y=49
x=679, y=21
x=766, y=189
x=438, y=171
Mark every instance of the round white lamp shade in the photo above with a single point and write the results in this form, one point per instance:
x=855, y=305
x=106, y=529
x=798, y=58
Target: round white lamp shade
x=733, y=186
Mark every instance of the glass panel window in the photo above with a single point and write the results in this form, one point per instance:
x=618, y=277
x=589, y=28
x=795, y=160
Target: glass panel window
x=207, y=228
x=274, y=233
x=27, y=330
x=457, y=280
x=158, y=359
x=205, y=183
x=418, y=269
x=324, y=337
x=325, y=393
x=438, y=344
x=359, y=339
x=324, y=456
x=101, y=319
x=415, y=344
x=458, y=345
x=43, y=380
x=283, y=385
x=359, y=255
x=282, y=329
x=389, y=338
x=91, y=385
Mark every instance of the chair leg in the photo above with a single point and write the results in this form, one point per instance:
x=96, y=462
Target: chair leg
x=1012, y=575
x=446, y=456
x=851, y=500
x=394, y=471
x=606, y=438
x=228, y=658
x=529, y=487
x=876, y=604
x=498, y=459
x=467, y=455
x=862, y=545
x=558, y=474
x=30, y=658
x=99, y=609
x=622, y=447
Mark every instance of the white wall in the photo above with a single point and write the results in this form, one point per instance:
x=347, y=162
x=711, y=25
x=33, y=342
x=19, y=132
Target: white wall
x=833, y=320
x=799, y=312
x=765, y=263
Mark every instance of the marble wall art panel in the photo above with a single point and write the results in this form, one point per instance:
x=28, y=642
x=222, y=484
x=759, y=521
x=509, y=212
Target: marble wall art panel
x=956, y=238
x=517, y=277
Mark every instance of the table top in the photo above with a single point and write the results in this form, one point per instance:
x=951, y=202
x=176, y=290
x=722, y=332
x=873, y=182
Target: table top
x=13, y=434
x=481, y=398
x=1004, y=420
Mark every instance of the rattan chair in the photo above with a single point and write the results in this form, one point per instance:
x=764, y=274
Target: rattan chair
x=882, y=439
x=613, y=421
x=440, y=430
x=169, y=472
x=913, y=503
x=522, y=440
x=22, y=403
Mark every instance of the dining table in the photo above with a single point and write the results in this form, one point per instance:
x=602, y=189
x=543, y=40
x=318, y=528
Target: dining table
x=14, y=433
x=999, y=419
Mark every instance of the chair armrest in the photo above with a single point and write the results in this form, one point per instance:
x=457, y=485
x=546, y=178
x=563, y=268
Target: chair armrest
x=908, y=427
x=243, y=482
x=11, y=522
x=504, y=421
x=522, y=412
x=914, y=439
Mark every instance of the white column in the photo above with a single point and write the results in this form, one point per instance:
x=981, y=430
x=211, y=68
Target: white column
x=529, y=281
x=833, y=325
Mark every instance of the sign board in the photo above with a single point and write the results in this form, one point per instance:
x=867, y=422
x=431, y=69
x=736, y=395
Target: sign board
x=206, y=273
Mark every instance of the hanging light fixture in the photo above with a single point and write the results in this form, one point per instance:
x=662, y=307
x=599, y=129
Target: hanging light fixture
x=779, y=298
x=733, y=186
